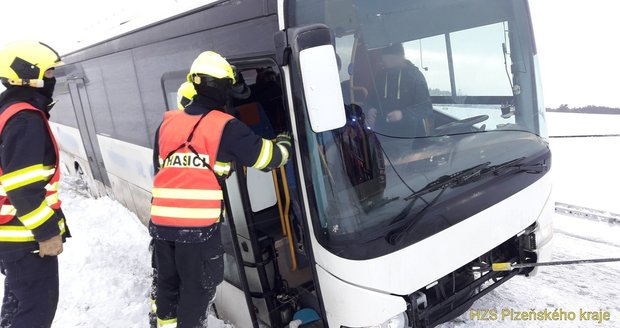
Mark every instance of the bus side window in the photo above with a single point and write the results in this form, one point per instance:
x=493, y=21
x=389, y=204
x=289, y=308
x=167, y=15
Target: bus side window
x=170, y=83
x=263, y=109
x=267, y=91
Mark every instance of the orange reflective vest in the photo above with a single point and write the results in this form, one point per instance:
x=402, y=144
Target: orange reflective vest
x=7, y=211
x=186, y=192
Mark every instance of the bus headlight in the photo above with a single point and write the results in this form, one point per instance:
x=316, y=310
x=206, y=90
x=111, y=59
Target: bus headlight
x=397, y=321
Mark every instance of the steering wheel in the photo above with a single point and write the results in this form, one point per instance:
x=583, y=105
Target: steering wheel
x=460, y=126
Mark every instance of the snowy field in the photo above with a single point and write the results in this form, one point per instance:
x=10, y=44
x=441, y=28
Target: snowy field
x=104, y=275
x=586, y=169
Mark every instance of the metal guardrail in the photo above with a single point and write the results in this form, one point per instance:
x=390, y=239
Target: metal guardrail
x=587, y=213
x=587, y=136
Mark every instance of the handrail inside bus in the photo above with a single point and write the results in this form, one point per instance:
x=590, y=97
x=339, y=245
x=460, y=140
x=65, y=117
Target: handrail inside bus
x=287, y=219
x=279, y=201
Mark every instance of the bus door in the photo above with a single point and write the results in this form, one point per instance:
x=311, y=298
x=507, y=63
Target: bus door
x=233, y=301
x=86, y=125
x=280, y=280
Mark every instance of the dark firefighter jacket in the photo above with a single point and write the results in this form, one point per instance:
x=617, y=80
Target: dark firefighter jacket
x=25, y=145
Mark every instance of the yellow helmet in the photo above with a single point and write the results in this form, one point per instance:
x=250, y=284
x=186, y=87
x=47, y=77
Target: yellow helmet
x=24, y=63
x=185, y=94
x=211, y=64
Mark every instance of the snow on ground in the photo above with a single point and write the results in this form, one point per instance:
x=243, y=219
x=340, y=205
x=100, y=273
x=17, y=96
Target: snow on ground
x=104, y=271
x=105, y=265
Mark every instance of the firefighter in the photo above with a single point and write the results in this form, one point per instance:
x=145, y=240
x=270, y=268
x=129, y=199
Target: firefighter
x=185, y=93
x=194, y=149
x=32, y=225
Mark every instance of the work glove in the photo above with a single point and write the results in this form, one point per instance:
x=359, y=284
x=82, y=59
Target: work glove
x=50, y=247
x=284, y=139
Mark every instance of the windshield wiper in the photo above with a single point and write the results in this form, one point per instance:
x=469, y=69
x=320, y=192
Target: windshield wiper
x=451, y=180
x=457, y=179
x=442, y=183
x=510, y=166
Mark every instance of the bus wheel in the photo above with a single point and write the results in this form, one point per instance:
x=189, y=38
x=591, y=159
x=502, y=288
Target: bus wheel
x=82, y=182
x=78, y=170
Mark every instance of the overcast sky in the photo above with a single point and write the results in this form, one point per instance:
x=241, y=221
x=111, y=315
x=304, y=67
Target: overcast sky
x=579, y=48
x=577, y=39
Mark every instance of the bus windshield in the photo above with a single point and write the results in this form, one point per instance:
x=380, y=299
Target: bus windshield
x=430, y=88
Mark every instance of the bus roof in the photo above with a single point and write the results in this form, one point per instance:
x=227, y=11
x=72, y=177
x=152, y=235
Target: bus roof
x=154, y=16
x=167, y=24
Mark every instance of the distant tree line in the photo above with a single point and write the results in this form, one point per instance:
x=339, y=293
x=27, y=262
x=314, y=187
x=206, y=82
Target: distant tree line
x=439, y=92
x=585, y=110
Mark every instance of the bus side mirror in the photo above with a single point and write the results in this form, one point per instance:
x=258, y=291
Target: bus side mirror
x=321, y=85
x=312, y=52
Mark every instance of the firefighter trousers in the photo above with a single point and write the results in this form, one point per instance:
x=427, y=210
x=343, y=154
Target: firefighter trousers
x=30, y=292
x=187, y=276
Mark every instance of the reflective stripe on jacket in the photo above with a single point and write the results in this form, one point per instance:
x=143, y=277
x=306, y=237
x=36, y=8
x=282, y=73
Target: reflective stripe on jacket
x=23, y=177
x=186, y=192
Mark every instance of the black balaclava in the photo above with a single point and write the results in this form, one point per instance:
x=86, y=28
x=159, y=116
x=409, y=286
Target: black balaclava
x=48, y=87
x=39, y=97
x=215, y=97
x=33, y=96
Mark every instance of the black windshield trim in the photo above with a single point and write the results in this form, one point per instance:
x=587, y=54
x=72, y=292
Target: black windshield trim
x=451, y=210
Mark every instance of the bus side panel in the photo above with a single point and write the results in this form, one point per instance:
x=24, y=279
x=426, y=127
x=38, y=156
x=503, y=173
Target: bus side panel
x=73, y=157
x=69, y=142
x=130, y=170
x=227, y=302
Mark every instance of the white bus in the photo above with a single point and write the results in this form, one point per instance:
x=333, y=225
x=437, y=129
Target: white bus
x=367, y=226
